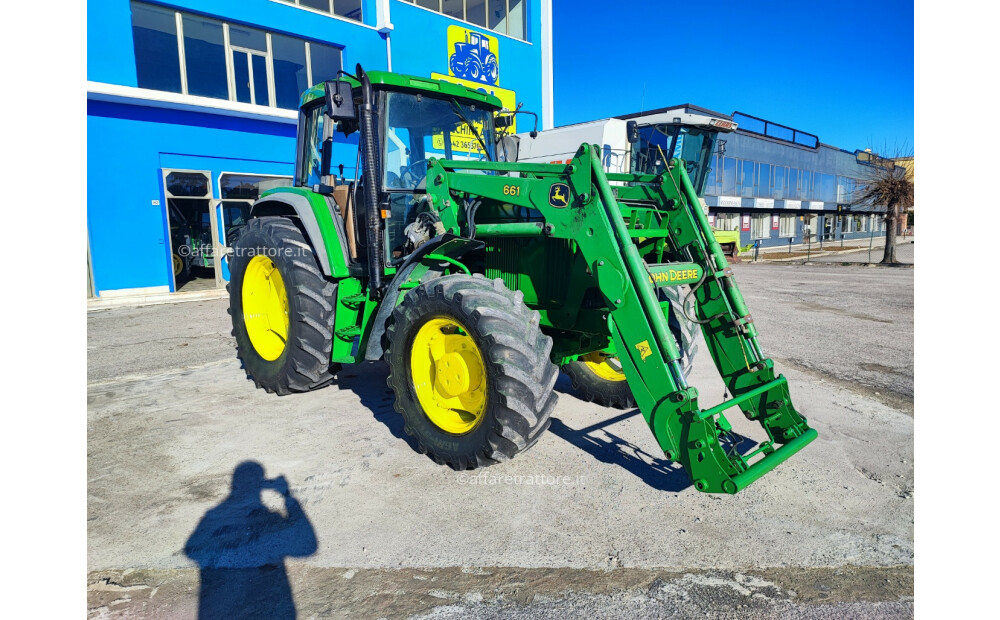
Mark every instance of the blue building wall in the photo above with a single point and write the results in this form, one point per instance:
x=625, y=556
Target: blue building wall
x=830, y=217
x=130, y=142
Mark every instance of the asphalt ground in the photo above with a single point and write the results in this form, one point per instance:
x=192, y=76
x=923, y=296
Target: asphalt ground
x=591, y=522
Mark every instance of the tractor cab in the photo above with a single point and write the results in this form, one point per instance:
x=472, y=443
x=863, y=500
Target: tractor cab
x=413, y=120
x=684, y=132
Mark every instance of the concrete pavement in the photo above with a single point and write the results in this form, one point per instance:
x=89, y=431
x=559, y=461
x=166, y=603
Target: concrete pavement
x=171, y=414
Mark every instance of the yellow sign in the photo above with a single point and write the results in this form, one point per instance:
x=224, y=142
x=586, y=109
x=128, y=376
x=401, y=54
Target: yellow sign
x=473, y=55
x=673, y=275
x=464, y=140
x=644, y=349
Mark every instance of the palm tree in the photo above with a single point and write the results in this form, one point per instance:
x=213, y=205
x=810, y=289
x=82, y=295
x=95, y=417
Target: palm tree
x=891, y=186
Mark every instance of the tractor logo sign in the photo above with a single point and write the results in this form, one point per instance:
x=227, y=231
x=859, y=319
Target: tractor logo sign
x=559, y=195
x=472, y=55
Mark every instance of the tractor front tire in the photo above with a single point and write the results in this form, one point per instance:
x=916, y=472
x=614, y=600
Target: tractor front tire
x=598, y=378
x=470, y=369
x=282, y=308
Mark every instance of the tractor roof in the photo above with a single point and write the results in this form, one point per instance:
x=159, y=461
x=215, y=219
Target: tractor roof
x=399, y=81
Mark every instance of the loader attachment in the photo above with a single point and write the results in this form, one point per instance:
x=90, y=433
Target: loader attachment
x=642, y=233
x=699, y=439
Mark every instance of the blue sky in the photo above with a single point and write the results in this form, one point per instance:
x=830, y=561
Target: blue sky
x=841, y=70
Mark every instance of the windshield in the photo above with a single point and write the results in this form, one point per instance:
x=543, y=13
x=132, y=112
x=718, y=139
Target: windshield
x=418, y=127
x=691, y=144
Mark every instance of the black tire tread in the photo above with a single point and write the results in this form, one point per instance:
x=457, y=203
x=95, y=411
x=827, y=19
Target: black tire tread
x=307, y=365
x=515, y=349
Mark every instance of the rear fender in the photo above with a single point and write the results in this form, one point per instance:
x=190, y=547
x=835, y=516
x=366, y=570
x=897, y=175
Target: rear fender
x=323, y=229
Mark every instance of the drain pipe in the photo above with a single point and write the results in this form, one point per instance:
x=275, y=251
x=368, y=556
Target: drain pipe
x=383, y=24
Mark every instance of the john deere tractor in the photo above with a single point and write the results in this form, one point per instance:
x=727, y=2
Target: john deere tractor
x=476, y=278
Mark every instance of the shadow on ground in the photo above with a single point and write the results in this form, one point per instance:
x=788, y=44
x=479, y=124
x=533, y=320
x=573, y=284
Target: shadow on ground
x=240, y=547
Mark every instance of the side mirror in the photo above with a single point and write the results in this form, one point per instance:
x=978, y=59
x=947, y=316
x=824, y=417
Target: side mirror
x=632, y=132
x=507, y=148
x=503, y=121
x=340, y=101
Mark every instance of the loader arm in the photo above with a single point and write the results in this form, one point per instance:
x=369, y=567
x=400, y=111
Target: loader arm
x=634, y=237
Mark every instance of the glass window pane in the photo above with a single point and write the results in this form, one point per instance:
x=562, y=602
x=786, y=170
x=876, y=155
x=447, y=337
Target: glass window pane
x=827, y=188
x=729, y=177
x=515, y=19
x=249, y=186
x=290, y=79
x=241, y=36
x=779, y=132
x=805, y=185
x=793, y=183
x=434, y=5
x=475, y=12
x=188, y=184
x=259, y=67
x=453, y=8
x=205, y=57
x=319, y=5
x=350, y=9
x=154, y=37
x=746, y=179
x=241, y=76
x=779, y=181
x=325, y=62
x=764, y=180
x=496, y=15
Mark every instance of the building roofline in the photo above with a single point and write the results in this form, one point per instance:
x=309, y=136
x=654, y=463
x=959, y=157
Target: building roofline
x=689, y=106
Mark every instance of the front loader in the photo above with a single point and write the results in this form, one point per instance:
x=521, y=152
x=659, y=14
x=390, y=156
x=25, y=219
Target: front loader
x=477, y=279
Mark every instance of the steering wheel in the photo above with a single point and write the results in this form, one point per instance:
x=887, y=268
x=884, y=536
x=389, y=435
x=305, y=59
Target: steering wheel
x=409, y=171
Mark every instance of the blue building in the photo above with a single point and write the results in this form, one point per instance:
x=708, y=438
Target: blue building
x=191, y=108
x=782, y=186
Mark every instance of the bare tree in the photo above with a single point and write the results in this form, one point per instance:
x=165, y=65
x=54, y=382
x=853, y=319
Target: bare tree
x=891, y=186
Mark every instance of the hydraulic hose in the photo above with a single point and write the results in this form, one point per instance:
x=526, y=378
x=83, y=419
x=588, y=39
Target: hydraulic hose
x=373, y=215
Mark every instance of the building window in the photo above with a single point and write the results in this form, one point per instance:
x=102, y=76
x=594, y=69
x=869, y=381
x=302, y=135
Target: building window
x=786, y=226
x=763, y=181
x=154, y=37
x=760, y=226
x=351, y=9
x=780, y=172
x=745, y=183
x=503, y=16
x=727, y=221
x=827, y=186
x=729, y=168
x=712, y=178
x=805, y=185
x=183, y=53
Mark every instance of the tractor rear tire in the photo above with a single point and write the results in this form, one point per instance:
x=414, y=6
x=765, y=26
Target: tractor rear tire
x=599, y=379
x=470, y=369
x=282, y=308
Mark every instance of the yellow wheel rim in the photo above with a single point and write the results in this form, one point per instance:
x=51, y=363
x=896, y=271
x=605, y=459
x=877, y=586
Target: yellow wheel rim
x=449, y=375
x=178, y=264
x=265, y=307
x=604, y=366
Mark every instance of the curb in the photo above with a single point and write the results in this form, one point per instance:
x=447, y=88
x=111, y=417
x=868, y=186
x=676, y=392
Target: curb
x=154, y=300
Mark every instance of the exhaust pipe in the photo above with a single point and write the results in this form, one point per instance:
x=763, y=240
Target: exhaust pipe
x=373, y=215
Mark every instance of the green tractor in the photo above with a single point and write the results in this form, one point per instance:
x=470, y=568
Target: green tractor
x=476, y=278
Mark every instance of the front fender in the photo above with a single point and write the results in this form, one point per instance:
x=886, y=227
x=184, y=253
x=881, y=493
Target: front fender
x=421, y=268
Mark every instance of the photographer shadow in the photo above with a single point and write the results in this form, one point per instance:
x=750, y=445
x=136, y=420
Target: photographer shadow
x=240, y=547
